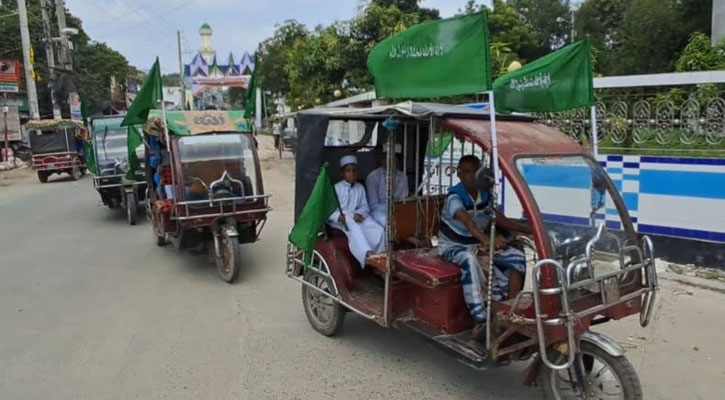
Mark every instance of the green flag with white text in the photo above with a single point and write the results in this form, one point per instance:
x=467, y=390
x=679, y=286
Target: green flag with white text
x=559, y=81
x=434, y=59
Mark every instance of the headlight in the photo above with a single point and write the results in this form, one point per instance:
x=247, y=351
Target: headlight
x=123, y=166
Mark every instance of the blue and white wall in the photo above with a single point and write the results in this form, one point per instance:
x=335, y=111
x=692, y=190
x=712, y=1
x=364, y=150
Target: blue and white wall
x=668, y=196
x=672, y=196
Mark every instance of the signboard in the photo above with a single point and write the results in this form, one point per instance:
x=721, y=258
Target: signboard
x=198, y=122
x=9, y=76
x=241, y=81
x=14, y=133
x=75, y=106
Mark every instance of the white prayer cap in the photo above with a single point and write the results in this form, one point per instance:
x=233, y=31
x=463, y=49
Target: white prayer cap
x=349, y=159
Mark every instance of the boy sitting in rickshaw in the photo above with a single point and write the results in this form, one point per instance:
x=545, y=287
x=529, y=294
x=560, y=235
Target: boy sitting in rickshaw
x=464, y=219
x=365, y=236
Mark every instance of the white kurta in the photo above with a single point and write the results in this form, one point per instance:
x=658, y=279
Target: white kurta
x=364, y=236
x=377, y=192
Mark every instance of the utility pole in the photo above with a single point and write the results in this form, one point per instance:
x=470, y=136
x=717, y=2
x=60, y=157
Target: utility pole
x=573, y=31
x=29, y=81
x=181, y=73
x=50, y=56
x=66, y=62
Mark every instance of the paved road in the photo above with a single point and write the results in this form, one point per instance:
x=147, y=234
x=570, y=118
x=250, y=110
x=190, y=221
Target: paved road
x=91, y=309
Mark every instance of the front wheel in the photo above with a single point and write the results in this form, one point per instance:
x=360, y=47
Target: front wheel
x=75, y=173
x=43, y=176
x=325, y=314
x=605, y=377
x=131, y=208
x=229, y=262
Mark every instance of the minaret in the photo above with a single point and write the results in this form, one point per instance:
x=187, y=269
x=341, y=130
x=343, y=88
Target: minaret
x=206, y=50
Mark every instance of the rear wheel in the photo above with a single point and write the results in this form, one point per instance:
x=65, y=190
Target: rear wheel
x=325, y=314
x=131, y=208
x=75, y=173
x=84, y=170
x=605, y=377
x=43, y=176
x=229, y=262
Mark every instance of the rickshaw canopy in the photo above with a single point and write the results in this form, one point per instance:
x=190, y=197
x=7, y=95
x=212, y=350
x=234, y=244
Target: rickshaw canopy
x=189, y=123
x=51, y=124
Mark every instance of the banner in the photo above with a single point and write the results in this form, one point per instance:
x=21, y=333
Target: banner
x=9, y=76
x=559, y=81
x=434, y=59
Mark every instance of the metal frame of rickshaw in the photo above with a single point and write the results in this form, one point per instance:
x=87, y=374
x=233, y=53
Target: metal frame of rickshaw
x=182, y=212
x=557, y=321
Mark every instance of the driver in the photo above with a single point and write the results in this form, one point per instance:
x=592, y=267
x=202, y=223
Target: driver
x=464, y=219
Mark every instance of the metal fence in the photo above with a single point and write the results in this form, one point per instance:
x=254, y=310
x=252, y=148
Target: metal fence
x=649, y=124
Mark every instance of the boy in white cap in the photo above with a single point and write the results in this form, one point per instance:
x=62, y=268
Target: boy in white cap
x=364, y=235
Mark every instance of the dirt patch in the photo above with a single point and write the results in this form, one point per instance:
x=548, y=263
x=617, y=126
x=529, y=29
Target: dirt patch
x=15, y=176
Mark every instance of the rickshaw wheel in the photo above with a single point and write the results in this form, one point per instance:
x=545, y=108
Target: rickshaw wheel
x=605, y=377
x=230, y=262
x=325, y=315
x=75, y=173
x=43, y=176
x=131, y=208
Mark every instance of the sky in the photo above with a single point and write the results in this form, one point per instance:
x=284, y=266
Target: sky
x=144, y=29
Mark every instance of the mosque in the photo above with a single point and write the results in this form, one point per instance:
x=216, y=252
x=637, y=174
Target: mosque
x=209, y=79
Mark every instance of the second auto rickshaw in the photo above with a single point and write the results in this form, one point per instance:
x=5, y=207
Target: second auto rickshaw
x=205, y=183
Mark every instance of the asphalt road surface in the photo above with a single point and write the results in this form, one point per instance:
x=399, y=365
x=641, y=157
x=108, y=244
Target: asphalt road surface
x=91, y=308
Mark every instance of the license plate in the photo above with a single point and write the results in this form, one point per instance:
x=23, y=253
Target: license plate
x=51, y=165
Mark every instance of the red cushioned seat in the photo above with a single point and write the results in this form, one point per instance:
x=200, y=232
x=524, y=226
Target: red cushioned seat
x=425, y=266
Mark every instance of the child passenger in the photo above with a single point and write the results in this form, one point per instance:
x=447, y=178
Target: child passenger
x=365, y=236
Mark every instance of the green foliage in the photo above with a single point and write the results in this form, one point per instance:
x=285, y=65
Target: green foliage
x=550, y=22
x=94, y=63
x=700, y=55
x=640, y=36
x=272, y=56
x=170, y=79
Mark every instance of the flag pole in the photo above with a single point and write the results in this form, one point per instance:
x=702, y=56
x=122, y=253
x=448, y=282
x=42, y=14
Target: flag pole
x=494, y=207
x=595, y=135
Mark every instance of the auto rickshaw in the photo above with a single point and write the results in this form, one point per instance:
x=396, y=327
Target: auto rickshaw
x=586, y=264
x=288, y=136
x=205, y=183
x=57, y=147
x=111, y=165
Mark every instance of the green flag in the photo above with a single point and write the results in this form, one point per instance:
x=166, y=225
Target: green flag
x=439, y=145
x=321, y=204
x=559, y=81
x=250, y=106
x=133, y=140
x=148, y=97
x=90, y=156
x=433, y=59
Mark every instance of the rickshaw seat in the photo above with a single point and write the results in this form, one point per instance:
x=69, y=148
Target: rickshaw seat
x=425, y=266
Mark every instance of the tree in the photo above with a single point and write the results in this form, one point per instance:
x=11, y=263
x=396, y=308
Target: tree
x=511, y=37
x=600, y=21
x=652, y=36
x=94, y=63
x=314, y=67
x=272, y=56
x=170, y=79
x=550, y=22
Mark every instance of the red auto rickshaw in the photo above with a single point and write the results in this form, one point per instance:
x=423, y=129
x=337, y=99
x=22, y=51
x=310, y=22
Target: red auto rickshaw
x=586, y=264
